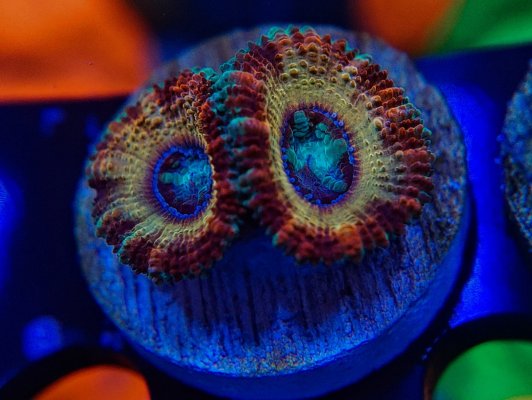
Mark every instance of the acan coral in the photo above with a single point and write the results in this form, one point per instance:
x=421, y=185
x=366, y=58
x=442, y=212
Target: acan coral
x=330, y=155
x=310, y=136
x=164, y=198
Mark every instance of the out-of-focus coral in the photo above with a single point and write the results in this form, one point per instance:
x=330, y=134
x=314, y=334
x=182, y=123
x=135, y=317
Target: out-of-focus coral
x=517, y=155
x=71, y=49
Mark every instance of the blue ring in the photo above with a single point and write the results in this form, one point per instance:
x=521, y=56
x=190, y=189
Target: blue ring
x=155, y=176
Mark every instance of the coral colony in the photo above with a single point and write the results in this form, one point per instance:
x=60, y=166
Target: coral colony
x=302, y=133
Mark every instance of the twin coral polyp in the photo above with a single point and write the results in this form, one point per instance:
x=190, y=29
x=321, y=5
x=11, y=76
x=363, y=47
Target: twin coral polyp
x=310, y=137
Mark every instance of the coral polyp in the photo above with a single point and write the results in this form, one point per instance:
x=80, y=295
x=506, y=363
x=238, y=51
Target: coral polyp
x=330, y=155
x=163, y=197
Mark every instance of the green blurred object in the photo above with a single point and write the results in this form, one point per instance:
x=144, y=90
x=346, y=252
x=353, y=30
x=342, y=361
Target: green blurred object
x=496, y=370
x=481, y=23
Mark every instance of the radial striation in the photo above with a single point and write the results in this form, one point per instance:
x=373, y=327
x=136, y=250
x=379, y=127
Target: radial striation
x=164, y=199
x=328, y=153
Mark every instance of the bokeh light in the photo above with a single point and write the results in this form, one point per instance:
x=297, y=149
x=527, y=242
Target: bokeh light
x=424, y=26
x=71, y=49
x=41, y=337
x=102, y=382
x=495, y=370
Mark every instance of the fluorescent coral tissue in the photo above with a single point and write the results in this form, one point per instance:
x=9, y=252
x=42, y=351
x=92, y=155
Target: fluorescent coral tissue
x=298, y=133
x=164, y=198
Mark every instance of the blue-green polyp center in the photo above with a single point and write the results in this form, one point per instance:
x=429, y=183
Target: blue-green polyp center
x=317, y=155
x=182, y=181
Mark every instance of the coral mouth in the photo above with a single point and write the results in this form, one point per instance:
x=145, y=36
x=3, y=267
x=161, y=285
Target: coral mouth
x=182, y=181
x=318, y=158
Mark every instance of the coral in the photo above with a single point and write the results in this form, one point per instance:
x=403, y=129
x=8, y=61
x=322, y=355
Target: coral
x=163, y=197
x=517, y=154
x=329, y=154
x=261, y=319
x=308, y=135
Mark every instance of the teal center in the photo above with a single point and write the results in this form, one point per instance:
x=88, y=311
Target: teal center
x=317, y=156
x=182, y=181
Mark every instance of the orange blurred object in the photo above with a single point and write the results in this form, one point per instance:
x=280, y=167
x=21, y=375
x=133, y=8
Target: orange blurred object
x=71, y=49
x=409, y=25
x=104, y=382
